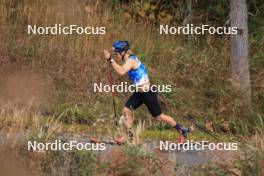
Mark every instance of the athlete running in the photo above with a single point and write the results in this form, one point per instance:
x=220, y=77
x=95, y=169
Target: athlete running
x=139, y=77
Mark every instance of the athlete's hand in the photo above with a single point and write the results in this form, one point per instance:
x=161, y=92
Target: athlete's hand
x=106, y=54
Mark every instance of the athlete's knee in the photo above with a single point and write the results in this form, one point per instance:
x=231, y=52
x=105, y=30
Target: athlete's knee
x=159, y=117
x=127, y=117
x=126, y=111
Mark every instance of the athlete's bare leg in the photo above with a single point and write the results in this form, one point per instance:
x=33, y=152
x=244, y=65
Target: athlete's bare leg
x=167, y=119
x=126, y=123
x=170, y=121
x=127, y=113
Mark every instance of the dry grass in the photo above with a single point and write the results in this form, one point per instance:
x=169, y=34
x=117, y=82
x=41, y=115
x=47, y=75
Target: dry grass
x=139, y=130
x=18, y=124
x=19, y=119
x=197, y=67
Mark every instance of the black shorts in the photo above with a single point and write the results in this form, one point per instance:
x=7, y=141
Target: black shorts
x=149, y=98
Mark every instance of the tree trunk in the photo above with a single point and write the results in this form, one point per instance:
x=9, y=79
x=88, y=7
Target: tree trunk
x=239, y=51
x=188, y=18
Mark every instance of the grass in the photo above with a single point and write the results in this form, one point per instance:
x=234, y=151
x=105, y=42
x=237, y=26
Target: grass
x=16, y=118
x=171, y=135
x=70, y=114
x=197, y=71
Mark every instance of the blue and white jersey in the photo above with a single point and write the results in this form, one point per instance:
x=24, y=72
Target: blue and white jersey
x=140, y=75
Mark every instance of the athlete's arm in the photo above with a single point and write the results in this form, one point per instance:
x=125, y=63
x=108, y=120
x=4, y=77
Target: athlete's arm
x=121, y=70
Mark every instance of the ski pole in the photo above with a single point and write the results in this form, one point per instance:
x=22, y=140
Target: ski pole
x=110, y=80
x=190, y=118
